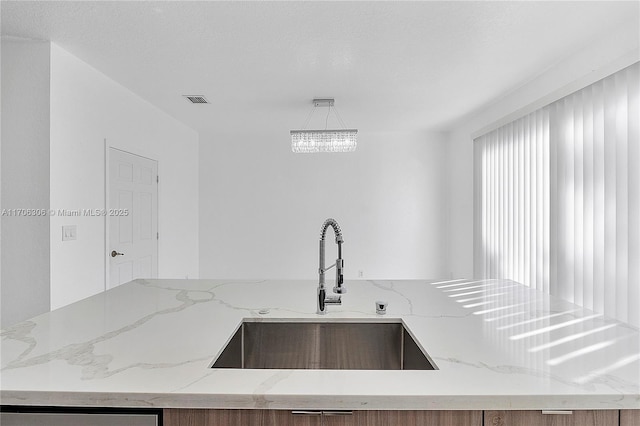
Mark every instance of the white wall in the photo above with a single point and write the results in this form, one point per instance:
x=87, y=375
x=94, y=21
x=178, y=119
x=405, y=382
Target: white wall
x=86, y=108
x=25, y=179
x=592, y=63
x=261, y=206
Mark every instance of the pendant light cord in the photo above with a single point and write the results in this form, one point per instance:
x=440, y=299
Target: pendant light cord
x=326, y=120
x=335, y=110
x=306, y=122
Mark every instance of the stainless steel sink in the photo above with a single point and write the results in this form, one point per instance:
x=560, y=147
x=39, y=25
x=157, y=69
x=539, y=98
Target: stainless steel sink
x=323, y=345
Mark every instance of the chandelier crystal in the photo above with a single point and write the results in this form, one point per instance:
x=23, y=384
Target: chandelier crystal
x=328, y=140
x=311, y=141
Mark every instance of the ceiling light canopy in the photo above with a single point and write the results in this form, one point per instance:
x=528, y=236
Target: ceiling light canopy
x=327, y=140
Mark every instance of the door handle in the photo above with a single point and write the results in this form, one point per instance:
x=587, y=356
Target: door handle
x=338, y=413
x=115, y=253
x=306, y=413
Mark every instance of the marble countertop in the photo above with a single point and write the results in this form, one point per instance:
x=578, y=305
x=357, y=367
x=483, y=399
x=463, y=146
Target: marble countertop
x=149, y=343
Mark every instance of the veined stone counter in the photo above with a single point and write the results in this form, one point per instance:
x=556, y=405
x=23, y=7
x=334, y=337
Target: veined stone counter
x=149, y=343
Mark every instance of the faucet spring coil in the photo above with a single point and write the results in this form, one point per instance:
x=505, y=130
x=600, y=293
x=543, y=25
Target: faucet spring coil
x=336, y=229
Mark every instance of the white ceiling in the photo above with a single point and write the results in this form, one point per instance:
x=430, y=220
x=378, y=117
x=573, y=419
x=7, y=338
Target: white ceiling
x=390, y=65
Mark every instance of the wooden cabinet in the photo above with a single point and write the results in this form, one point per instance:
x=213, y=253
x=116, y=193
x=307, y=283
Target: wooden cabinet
x=537, y=418
x=283, y=417
x=188, y=417
x=197, y=417
x=420, y=418
x=629, y=417
x=350, y=418
x=184, y=417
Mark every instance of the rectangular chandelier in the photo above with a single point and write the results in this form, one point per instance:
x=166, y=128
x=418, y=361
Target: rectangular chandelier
x=313, y=141
x=328, y=140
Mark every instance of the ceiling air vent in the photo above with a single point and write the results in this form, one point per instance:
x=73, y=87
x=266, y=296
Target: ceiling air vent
x=196, y=99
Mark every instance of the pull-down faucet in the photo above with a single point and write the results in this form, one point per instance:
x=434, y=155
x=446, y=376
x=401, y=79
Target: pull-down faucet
x=323, y=298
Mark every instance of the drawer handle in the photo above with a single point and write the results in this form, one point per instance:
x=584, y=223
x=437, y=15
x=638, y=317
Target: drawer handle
x=557, y=412
x=306, y=413
x=338, y=413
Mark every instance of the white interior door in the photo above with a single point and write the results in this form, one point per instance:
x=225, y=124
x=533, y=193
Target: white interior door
x=133, y=217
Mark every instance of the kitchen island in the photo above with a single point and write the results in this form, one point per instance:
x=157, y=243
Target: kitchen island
x=496, y=345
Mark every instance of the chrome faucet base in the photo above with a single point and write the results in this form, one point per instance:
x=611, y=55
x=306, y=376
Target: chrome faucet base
x=325, y=299
x=332, y=300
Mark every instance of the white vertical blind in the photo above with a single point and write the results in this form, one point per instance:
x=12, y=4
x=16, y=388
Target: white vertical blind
x=557, y=198
x=510, y=175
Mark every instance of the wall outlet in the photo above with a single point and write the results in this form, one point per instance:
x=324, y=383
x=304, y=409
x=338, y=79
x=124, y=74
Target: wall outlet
x=360, y=273
x=69, y=233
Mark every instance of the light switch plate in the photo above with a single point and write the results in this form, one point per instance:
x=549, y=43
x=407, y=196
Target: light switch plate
x=69, y=233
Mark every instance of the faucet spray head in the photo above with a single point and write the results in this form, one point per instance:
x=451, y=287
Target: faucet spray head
x=339, y=289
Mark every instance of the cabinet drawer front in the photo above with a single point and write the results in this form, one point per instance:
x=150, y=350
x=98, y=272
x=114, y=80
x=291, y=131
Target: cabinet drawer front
x=537, y=418
x=629, y=417
x=197, y=417
x=420, y=418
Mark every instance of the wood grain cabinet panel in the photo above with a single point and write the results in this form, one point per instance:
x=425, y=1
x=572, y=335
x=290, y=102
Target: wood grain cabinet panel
x=183, y=417
x=188, y=417
x=196, y=417
x=629, y=417
x=420, y=418
x=342, y=419
x=284, y=418
x=441, y=418
x=537, y=418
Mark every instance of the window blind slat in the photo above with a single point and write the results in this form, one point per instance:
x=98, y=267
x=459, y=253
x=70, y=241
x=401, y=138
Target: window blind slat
x=633, y=111
x=609, y=196
x=531, y=248
x=508, y=195
x=621, y=197
x=588, y=204
x=553, y=202
x=578, y=202
x=526, y=242
x=599, y=198
x=546, y=202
